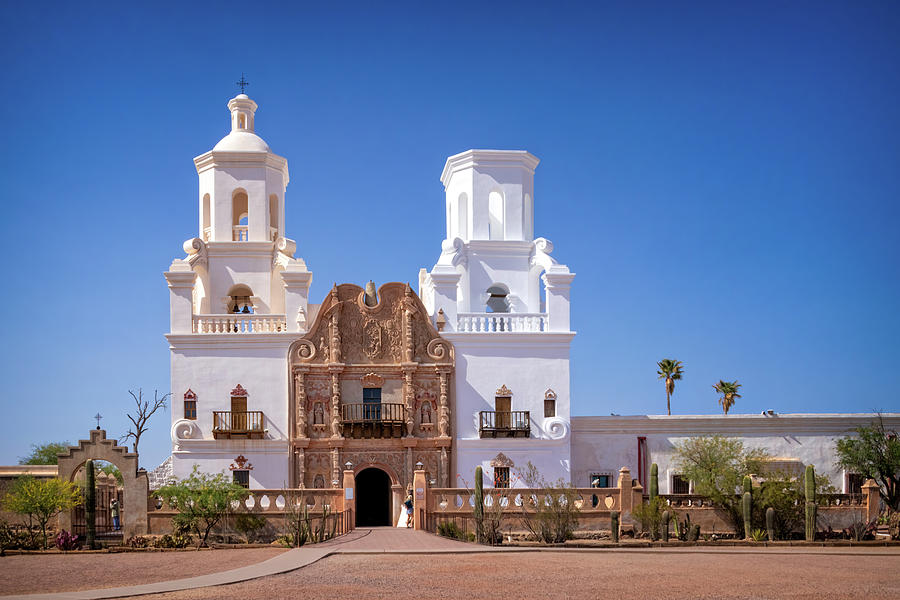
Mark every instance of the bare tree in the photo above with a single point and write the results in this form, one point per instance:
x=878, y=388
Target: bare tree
x=144, y=410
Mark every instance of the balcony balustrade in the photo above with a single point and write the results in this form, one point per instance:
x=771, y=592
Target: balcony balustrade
x=515, y=423
x=237, y=424
x=239, y=323
x=241, y=233
x=501, y=322
x=378, y=420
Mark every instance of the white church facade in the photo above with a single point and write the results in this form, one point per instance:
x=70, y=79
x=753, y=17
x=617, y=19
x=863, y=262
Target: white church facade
x=470, y=369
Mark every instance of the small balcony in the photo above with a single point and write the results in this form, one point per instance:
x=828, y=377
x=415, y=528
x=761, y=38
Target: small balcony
x=373, y=420
x=229, y=424
x=240, y=323
x=494, y=424
x=501, y=322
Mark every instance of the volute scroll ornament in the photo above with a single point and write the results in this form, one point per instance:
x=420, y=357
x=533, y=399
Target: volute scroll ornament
x=306, y=350
x=437, y=350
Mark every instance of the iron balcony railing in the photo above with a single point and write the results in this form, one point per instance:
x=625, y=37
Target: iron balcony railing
x=515, y=423
x=228, y=422
x=390, y=414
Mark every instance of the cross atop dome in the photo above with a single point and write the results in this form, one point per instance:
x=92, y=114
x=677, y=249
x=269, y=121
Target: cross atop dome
x=242, y=83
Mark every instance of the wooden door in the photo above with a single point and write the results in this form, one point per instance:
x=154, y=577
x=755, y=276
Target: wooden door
x=239, y=413
x=503, y=407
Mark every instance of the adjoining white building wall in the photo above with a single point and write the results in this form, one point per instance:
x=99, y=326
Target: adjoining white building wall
x=604, y=444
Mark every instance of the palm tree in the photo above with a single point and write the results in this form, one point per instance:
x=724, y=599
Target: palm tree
x=670, y=370
x=729, y=391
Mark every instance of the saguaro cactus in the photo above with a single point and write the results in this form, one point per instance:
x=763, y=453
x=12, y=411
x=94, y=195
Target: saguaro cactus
x=654, y=481
x=664, y=526
x=90, y=505
x=811, y=507
x=747, y=508
x=479, y=505
x=614, y=525
x=770, y=523
x=748, y=484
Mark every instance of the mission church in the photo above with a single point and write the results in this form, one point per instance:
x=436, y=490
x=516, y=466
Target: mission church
x=471, y=368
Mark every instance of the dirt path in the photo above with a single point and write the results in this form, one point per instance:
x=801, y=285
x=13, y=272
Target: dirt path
x=33, y=573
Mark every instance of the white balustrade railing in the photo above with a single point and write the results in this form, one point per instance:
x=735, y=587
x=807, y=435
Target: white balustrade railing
x=500, y=322
x=240, y=233
x=240, y=323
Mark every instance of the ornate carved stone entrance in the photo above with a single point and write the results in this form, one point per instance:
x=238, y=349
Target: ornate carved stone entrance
x=373, y=498
x=371, y=386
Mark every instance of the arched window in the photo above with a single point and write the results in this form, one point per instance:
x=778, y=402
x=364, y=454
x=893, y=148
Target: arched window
x=242, y=121
x=206, y=219
x=495, y=215
x=273, y=217
x=239, y=212
x=498, y=298
x=240, y=299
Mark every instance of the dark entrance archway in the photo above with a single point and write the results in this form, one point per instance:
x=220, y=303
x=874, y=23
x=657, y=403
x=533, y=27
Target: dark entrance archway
x=373, y=498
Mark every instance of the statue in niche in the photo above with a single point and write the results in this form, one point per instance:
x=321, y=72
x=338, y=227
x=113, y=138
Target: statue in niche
x=318, y=414
x=426, y=413
x=319, y=482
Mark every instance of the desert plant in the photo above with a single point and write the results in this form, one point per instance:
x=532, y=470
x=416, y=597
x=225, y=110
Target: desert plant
x=654, y=481
x=66, y=541
x=286, y=540
x=479, y=505
x=39, y=500
x=809, y=486
x=860, y=530
x=770, y=523
x=683, y=528
x=554, y=514
x=90, y=504
x=650, y=515
x=137, y=541
x=874, y=453
x=451, y=530
x=729, y=391
x=249, y=525
x=664, y=528
x=694, y=533
x=747, y=484
x=758, y=535
x=614, y=525
x=747, y=509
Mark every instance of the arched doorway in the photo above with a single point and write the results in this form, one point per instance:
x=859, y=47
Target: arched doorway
x=373, y=498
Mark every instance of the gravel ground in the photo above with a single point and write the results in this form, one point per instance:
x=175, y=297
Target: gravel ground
x=70, y=572
x=620, y=575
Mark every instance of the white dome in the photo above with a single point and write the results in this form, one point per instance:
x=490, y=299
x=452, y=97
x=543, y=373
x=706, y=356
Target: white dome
x=241, y=141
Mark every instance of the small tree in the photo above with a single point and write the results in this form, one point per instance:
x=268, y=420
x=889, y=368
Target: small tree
x=554, y=513
x=44, y=454
x=202, y=500
x=874, y=453
x=39, y=500
x=144, y=409
x=717, y=466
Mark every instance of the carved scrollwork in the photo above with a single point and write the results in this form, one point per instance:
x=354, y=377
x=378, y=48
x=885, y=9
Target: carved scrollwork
x=185, y=429
x=556, y=428
x=437, y=350
x=306, y=350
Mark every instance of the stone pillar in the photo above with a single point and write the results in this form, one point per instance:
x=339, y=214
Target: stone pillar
x=420, y=488
x=335, y=403
x=444, y=404
x=181, y=297
x=350, y=496
x=557, y=286
x=409, y=398
x=446, y=280
x=872, y=497
x=296, y=297
x=627, y=496
x=299, y=467
x=300, y=403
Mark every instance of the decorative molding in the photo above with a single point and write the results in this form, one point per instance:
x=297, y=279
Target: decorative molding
x=242, y=464
x=549, y=395
x=239, y=391
x=504, y=392
x=372, y=380
x=501, y=460
x=190, y=395
x=690, y=425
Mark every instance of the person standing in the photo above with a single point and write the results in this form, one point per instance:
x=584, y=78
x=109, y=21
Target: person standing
x=408, y=506
x=114, y=513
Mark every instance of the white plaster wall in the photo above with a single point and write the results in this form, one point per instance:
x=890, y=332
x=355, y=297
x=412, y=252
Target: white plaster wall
x=551, y=457
x=241, y=263
x=269, y=461
x=501, y=262
x=605, y=444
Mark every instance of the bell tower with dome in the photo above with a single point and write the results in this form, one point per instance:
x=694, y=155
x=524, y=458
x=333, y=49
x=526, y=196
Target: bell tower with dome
x=238, y=300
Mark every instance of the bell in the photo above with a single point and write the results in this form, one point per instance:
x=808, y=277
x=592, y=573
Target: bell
x=236, y=308
x=246, y=310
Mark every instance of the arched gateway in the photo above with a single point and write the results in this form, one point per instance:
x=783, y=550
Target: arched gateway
x=137, y=486
x=371, y=388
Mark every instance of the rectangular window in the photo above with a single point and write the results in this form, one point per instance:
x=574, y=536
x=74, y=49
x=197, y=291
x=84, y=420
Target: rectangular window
x=854, y=483
x=241, y=477
x=549, y=407
x=680, y=485
x=501, y=477
x=601, y=480
x=372, y=404
x=190, y=409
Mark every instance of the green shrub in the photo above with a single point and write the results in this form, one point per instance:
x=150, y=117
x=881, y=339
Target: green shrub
x=650, y=515
x=451, y=530
x=249, y=525
x=758, y=535
x=137, y=541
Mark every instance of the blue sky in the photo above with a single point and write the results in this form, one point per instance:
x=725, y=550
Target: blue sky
x=722, y=177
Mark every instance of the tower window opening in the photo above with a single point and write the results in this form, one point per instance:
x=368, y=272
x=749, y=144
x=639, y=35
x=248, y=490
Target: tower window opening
x=498, y=299
x=242, y=122
x=240, y=300
x=273, y=216
x=495, y=216
x=205, y=224
x=240, y=208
